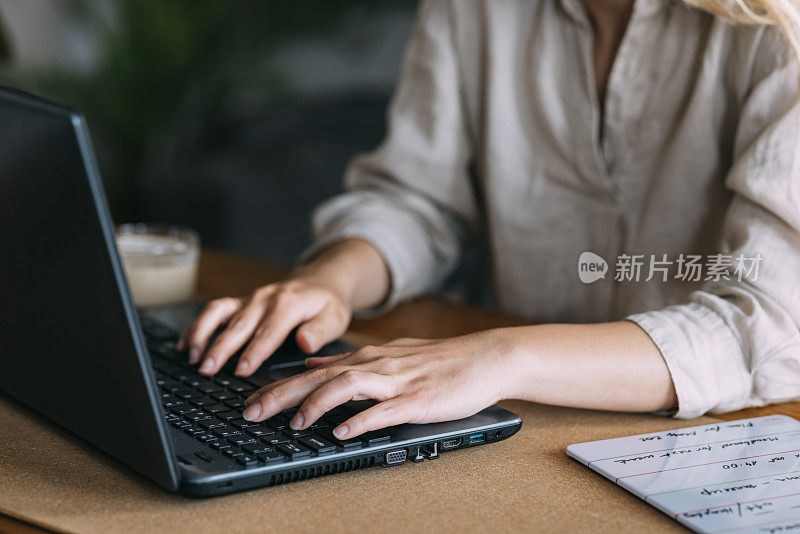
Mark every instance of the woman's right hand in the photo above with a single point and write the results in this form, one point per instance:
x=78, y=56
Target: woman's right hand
x=263, y=321
x=318, y=297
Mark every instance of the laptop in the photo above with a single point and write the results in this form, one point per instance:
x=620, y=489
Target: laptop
x=74, y=348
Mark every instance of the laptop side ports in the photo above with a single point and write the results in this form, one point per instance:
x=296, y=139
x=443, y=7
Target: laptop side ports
x=452, y=443
x=395, y=457
x=475, y=439
x=495, y=434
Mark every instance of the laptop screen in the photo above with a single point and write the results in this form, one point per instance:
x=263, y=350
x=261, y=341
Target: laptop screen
x=68, y=332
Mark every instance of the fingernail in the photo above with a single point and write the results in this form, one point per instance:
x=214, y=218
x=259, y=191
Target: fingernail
x=341, y=431
x=194, y=355
x=242, y=368
x=252, y=412
x=297, y=421
x=207, y=366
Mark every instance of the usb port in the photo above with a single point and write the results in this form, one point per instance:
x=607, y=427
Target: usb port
x=477, y=438
x=451, y=443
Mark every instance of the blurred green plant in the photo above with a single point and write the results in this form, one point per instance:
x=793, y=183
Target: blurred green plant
x=163, y=66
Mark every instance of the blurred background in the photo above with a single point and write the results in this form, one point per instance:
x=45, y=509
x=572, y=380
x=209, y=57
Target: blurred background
x=232, y=117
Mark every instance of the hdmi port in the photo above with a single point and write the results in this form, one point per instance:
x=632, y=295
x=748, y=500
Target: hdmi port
x=451, y=443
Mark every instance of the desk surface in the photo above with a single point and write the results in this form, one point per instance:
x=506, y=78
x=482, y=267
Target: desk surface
x=523, y=483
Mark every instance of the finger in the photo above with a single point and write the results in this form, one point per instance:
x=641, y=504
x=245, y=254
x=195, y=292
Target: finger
x=215, y=313
x=181, y=345
x=316, y=361
x=255, y=396
x=348, y=385
x=290, y=392
x=273, y=330
x=395, y=411
x=329, y=324
x=238, y=331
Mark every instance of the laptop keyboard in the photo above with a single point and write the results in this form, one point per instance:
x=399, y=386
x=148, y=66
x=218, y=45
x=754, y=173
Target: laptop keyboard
x=210, y=410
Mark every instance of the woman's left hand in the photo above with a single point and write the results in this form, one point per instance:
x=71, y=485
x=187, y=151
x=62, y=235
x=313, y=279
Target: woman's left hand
x=413, y=380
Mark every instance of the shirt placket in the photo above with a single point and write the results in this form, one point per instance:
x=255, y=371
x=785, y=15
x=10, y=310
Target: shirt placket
x=630, y=84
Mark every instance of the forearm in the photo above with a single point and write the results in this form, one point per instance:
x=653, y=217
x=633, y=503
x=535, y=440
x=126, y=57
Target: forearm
x=354, y=269
x=608, y=366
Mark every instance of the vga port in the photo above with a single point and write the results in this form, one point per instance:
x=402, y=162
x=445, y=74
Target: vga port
x=396, y=457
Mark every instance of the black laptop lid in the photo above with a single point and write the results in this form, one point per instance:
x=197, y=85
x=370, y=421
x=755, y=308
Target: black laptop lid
x=70, y=343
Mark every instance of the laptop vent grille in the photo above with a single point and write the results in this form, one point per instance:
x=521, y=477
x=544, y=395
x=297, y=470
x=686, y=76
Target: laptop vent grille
x=322, y=470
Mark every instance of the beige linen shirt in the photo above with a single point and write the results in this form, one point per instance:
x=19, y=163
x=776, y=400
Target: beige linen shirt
x=495, y=132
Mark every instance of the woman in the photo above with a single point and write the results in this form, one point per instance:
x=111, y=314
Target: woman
x=637, y=131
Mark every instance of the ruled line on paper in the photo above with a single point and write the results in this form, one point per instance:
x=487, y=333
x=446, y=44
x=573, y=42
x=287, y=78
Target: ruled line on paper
x=706, y=463
x=795, y=431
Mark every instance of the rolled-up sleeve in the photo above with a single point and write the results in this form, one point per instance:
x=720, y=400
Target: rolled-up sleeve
x=412, y=198
x=736, y=343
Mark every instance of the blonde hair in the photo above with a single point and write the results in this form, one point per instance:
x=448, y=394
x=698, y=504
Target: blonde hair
x=784, y=13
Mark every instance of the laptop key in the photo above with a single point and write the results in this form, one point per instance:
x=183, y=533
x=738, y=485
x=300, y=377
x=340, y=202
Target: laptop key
x=233, y=451
x=187, y=394
x=260, y=431
x=241, y=439
x=271, y=456
x=293, y=450
x=247, y=460
x=318, y=445
x=211, y=423
x=297, y=433
x=277, y=423
x=347, y=444
x=220, y=445
x=224, y=396
x=235, y=404
x=243, y=423
x=375, y=438
x=256, y=448
x=334, y=420
x=209, y=388
x=215, y=408
x=202, y=401
x=243, y=389
x=275, y=439
x=229, y=416
x=168, y=385
x=183, y=410
x=198, y=416
x=320, y=423
x=226, y=381
x=258, y=382
x=226, y=431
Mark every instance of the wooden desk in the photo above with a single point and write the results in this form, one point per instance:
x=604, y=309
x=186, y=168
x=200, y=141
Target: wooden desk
x=223, y=274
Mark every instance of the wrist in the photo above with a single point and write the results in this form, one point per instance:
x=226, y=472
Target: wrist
x=515, y=358
x=520, y=360
x=335, y=280
x=353, y=269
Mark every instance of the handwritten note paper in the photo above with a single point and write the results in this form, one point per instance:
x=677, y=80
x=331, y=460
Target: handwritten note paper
x=735, y=476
